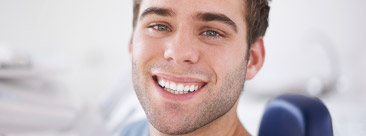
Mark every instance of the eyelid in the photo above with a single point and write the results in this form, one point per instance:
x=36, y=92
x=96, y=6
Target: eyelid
x=221, y=33
x=151, y=25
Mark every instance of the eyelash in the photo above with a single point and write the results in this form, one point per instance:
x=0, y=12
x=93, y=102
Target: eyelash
x=217, y=34
x=156, y=27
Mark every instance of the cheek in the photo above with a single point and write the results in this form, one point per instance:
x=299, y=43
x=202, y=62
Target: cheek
x=224, y=60
x=145, y=48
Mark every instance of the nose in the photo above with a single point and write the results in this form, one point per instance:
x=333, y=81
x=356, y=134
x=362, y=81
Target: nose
x=182, y=49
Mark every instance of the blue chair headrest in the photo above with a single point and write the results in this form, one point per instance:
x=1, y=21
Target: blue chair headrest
x=296, y=115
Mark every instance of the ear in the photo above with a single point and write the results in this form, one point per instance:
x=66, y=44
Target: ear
x=130, y=48
x=256, y=59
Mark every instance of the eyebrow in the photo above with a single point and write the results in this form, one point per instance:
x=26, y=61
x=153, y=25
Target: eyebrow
x=157, y=11
x=206, y=16
x=217, y=17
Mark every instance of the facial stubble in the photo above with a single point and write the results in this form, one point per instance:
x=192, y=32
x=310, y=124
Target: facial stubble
x=207, y=111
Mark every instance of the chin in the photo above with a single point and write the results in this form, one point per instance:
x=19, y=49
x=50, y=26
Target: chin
x=175, y=130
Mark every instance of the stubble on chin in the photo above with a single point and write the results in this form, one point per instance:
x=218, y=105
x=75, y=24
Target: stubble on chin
x=210, y=109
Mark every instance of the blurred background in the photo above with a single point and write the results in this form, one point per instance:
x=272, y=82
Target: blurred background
x=65, y=69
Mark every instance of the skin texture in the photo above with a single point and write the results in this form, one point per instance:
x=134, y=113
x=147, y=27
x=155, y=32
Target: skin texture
x=181, y=45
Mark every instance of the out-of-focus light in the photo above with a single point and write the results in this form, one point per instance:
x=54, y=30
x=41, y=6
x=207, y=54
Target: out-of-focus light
x=315, y=86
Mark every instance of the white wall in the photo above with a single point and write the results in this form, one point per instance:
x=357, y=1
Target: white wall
x=294, y=22
x=92, y=34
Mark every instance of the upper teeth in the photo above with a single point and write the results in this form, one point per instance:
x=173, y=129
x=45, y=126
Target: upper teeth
x=178, y=87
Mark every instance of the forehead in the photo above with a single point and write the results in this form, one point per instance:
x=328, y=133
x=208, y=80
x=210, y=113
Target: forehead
x=185, y=8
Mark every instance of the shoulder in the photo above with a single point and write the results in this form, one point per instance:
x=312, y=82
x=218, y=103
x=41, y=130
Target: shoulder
x=137, y=128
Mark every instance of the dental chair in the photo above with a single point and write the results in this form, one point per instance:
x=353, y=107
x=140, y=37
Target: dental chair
x=296, y=115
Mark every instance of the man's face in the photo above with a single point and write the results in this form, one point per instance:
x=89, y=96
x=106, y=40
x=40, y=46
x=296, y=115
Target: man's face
x=189, y=61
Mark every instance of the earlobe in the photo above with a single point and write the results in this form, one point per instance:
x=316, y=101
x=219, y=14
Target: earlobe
x=256, y=59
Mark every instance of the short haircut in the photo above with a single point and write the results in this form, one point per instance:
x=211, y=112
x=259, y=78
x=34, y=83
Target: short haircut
x=256, y=14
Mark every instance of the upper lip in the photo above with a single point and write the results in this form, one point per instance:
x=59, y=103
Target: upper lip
x=183, y=79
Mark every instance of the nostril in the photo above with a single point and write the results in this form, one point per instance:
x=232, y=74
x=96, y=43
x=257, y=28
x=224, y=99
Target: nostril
x=188, y=61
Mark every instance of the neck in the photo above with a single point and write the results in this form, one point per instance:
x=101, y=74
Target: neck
x=227, y=125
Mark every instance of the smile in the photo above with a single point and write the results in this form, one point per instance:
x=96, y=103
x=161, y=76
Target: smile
x=178, y=86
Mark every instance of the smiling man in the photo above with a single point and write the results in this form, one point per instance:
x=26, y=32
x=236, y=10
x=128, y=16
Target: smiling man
x=190, y=59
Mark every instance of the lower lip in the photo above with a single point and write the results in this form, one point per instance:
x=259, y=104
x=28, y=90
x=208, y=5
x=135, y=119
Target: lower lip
x=175, y=97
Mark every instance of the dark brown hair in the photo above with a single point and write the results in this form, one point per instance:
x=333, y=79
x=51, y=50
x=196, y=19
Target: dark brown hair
x=256, y=15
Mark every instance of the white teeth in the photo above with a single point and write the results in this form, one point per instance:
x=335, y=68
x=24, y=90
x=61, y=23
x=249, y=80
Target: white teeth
x=186, y=88
x=173, y=86
x=162, y=83
x=191, y=89
x=180, y=87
